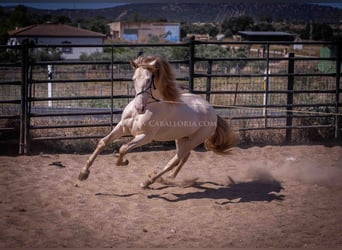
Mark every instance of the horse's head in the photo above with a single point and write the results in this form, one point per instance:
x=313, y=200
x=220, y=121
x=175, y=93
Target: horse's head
x=154, y=80
x=143, y=79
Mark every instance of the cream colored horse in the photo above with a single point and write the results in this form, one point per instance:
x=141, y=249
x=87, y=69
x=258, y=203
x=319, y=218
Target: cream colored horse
x=160, y=113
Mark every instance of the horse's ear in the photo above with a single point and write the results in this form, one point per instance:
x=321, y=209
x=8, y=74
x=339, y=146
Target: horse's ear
x=153, y=65
x=134, y=64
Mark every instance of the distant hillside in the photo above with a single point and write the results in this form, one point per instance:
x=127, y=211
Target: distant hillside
x=206, y=12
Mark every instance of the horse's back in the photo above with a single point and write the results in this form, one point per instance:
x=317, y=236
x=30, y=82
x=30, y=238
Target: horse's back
x=199, y=105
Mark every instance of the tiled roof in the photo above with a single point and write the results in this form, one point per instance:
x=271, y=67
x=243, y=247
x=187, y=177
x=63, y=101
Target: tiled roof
x=266, y=35
x=53, y=30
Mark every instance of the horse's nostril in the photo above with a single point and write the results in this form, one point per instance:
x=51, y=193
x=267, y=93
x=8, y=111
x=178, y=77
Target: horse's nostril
x=140, y=108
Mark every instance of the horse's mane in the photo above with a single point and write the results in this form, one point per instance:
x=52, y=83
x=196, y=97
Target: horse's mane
x=164, y=77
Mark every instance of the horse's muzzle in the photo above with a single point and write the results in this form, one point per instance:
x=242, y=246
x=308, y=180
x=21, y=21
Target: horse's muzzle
x=140, y=108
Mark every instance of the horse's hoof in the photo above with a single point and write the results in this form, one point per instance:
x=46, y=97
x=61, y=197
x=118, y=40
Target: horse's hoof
x=146, y=184
x=83, y=175
x=123, y=163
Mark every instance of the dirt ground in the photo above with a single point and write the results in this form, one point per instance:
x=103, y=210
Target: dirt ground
x=272, y=196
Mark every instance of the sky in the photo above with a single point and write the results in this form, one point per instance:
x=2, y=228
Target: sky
x=92, y=4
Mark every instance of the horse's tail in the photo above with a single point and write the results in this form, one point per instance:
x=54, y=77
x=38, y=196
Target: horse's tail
x=224, y=138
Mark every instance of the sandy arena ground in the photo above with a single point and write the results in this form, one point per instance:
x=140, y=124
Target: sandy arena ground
x=272, y=196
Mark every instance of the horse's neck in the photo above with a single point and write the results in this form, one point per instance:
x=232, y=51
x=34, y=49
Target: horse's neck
x=157, y=95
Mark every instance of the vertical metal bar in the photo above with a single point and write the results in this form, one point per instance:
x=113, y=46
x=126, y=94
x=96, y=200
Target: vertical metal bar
x=290, y=83
x=191, y=63
x=29, y=95
x=23, y=101
x=112, y=90
x=267, y=83
x=208, y=89
x=337, y=98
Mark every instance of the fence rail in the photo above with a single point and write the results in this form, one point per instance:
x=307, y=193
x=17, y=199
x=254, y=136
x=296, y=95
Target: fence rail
x=255, y=84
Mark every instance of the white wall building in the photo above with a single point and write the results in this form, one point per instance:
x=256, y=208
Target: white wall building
x=142, y=32
x=56, y=34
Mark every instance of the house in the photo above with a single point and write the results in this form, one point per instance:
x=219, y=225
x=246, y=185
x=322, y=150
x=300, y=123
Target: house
x=142, y=32
x=56, y=34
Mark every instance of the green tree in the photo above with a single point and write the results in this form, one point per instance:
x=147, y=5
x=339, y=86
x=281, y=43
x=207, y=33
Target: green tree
x=264, y=27
x=62, y=20
x=100, y=25
x=317, y=31
x=4, y=27
x=20, y=17
x=46, y=54
x=235, y=24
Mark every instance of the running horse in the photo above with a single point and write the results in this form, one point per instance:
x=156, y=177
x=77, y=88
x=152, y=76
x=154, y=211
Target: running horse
x=159, y=112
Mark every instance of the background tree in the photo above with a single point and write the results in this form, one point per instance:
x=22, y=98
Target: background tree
x=62, y=20
x=234, y=24
x=317, y=31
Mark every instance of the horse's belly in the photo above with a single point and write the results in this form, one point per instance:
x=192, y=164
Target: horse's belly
x=170, y=131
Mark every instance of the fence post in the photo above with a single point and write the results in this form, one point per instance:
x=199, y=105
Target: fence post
x=267, y=87
x=112, y=88
x=208, y=89
x=290, y=83
x=23, y=147
x=191, y=63
x=337, y=101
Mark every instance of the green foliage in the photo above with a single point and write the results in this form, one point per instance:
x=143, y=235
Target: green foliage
x=98, y=24
x=154, y=39
x=20, y=17
x=61, y=19
x=264, y=27
x=210, y=51
x=96, y=56
x=179, y=53
x=46, y=54
x=235, y=24
x=210, y=29
x=317, y=31
x=10, y=55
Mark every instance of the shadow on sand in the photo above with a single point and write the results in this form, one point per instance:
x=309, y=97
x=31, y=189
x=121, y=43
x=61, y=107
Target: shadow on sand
x=243, y=192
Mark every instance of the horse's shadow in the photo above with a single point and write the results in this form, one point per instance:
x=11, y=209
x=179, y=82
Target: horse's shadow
x=233, y=193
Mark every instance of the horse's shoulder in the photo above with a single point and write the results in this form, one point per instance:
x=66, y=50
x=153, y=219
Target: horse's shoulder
x=129, y=111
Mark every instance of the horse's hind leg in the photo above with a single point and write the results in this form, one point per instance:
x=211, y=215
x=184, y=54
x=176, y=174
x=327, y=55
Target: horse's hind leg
x=179, y=166
x=137, y=141
x=184, y=146
x=170, y=165
x=116, y=133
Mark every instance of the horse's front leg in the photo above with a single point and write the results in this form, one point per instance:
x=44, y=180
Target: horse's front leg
x=137, y=141
x=116, y=133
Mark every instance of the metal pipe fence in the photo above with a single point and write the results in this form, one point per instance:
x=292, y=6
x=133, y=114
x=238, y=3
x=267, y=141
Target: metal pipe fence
x=254, y=84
